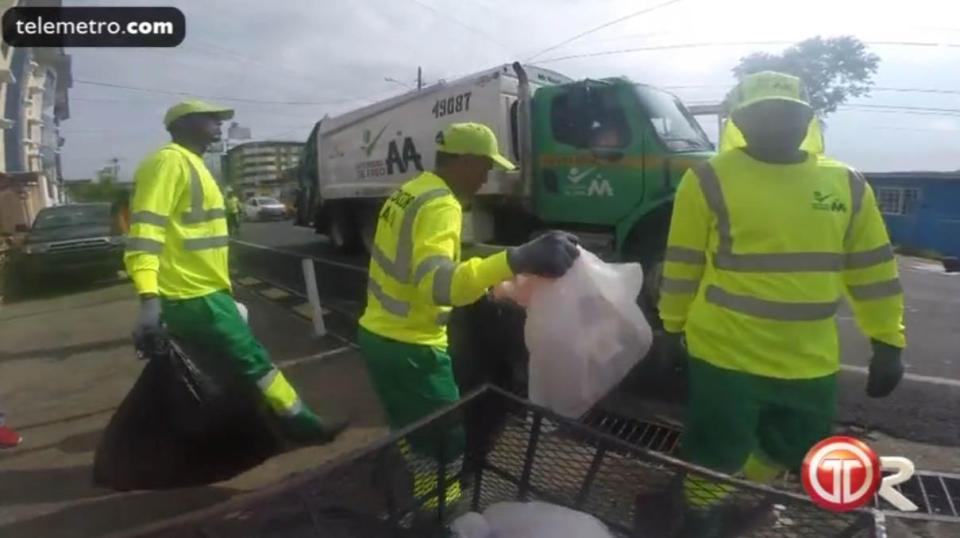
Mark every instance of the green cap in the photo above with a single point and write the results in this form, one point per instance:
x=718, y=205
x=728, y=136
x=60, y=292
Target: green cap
x=768, y=86
x=472, y=139
x=194, y=106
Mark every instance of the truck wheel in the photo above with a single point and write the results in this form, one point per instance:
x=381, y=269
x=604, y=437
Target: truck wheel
x=343, y=231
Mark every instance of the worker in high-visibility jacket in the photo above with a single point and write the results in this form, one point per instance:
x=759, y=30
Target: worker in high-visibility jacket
x=417, y=276
x=766, y=240
x=233, y=212
x=176, y=255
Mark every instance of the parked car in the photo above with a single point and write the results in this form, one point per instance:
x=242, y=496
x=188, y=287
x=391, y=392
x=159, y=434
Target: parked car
x=264, y=208
x=74, y=239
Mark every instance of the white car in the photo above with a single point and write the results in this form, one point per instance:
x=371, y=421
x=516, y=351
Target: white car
x=264, y=208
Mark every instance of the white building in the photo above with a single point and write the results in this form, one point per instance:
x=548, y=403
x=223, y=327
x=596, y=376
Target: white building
x=34, y=85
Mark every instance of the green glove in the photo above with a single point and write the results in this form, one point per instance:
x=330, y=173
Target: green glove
x=308, y=428
x=886, y=369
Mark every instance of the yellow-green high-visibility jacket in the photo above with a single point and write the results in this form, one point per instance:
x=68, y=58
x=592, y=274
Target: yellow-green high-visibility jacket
x=759, y=257
x=177, y=244
x=233, y=205
x=415, y=271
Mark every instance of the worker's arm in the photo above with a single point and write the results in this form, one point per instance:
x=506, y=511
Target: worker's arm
x=158, y=184
x=686, y=254
x=871, y=276
x=441, y=281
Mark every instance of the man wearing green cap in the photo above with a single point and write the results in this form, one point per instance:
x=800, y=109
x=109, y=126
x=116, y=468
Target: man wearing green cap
x=176, y=254
x=417, y=276
x=766, y=240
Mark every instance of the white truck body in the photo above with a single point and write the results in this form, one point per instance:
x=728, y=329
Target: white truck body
x=368, y=152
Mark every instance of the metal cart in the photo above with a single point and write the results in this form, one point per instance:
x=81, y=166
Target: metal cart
x=515, y=451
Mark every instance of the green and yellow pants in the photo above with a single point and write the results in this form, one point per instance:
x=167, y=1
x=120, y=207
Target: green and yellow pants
x=411, y=382
x=751, y=426
x=212, y=325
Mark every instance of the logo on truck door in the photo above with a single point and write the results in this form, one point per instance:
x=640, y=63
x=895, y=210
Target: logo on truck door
x=578, y=186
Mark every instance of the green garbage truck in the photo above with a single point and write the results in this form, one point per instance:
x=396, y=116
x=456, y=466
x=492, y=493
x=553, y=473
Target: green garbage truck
x=600, y=158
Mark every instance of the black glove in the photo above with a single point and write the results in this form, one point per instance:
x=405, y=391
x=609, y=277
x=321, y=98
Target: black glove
x=148, y=336
x=549, y=255
x=671, y=349
x=886, y=369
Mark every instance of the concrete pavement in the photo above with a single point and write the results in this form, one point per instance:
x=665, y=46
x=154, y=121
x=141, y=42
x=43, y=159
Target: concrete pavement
x=923, y=409
x=65, y=364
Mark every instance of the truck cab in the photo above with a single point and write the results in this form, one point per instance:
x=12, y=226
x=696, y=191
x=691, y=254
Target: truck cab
x=605, y=158
x=608, y=153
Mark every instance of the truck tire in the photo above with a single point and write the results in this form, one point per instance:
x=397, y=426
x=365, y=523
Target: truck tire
x=343, y=231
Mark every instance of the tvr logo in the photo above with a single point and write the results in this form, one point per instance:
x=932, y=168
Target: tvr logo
x=843, y=473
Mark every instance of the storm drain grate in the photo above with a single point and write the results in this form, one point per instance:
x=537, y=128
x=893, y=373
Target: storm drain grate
x=937, y=494
x=651, y=435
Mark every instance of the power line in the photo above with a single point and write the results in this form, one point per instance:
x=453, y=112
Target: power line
x=460, y=23
x=604, y=25
x=730, y=44
x=217, y=97
x=872, y=89
x=906, y=107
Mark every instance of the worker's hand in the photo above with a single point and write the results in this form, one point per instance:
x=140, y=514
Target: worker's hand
x=148, y=335
x=886, y=369
x=549, y=255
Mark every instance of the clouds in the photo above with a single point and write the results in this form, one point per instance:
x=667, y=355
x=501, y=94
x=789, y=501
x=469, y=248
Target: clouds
x=339, y=52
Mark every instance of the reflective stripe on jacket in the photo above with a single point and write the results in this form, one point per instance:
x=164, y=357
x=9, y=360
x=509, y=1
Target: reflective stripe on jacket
x=415, y=271
x=177, y=244
x=759, y=257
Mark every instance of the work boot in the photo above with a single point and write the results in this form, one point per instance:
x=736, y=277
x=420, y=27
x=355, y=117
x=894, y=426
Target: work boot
x=307, y=428
x=9, y=438
x=665, y=514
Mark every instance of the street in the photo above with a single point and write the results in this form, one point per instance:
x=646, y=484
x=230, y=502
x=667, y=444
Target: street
x=923, y=409
x=66, y=363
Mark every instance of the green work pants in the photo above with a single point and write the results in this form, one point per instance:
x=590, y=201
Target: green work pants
x=212, y=326
x=732, y=415
x=411, y=382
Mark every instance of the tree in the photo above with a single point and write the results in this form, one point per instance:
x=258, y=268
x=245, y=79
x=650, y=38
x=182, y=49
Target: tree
x=833, y=69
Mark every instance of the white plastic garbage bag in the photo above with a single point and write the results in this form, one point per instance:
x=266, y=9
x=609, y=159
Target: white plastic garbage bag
x=584, y=331
x=528, y=520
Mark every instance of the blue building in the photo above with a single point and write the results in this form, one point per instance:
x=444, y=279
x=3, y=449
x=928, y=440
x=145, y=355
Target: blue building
x=922, y=209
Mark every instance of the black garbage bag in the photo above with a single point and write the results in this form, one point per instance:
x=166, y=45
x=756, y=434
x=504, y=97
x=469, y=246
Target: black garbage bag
x=181, y=426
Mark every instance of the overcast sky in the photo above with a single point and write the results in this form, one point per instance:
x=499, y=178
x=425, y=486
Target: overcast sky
x=336, y=53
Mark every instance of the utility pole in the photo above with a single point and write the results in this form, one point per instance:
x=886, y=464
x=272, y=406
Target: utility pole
x=419, y=78
x=116, y=168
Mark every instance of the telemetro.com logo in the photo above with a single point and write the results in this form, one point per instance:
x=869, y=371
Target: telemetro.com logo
x=843, y=473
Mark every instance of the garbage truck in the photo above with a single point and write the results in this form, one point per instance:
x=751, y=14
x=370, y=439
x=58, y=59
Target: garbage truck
x=597, y=157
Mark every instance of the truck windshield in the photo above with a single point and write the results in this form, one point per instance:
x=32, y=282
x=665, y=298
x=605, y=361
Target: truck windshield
x=674, y=125
x=72, y=215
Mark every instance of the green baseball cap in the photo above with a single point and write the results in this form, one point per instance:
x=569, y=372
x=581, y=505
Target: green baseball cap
x=472, y=139
x=768, y=86
x=195, y=106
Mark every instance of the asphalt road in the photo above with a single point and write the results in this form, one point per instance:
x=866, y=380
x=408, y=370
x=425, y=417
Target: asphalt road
x=925, y=408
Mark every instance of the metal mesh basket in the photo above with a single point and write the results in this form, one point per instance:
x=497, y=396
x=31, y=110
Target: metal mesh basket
x=523, y=453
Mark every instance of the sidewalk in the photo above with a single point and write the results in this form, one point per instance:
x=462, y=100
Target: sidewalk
x=67, y=362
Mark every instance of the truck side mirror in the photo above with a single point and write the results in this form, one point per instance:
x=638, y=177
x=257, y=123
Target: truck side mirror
x=21, y=228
